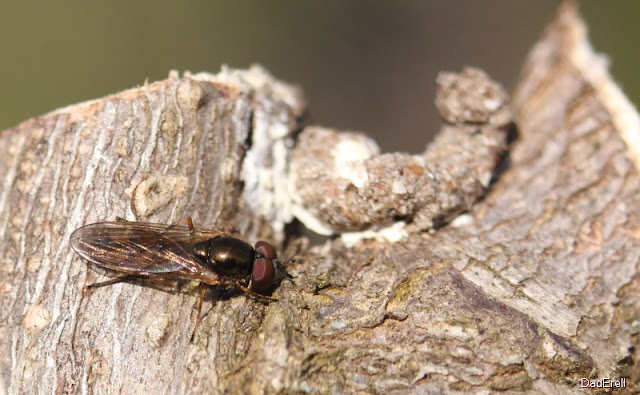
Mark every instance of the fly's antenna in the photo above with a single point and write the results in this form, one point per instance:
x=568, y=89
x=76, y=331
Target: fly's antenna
x=280, y=265
x=281, y=271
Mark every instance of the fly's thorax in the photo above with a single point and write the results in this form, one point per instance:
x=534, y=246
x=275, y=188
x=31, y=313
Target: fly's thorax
x=226, y=255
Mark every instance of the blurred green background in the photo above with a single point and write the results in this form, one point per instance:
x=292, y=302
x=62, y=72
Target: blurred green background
x=366, y=65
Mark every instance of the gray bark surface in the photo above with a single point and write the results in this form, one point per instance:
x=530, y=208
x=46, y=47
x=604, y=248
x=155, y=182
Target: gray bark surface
x=532, y=290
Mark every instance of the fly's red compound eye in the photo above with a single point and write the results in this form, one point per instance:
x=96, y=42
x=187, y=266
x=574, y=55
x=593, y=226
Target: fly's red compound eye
x=266, y=250
x=263, y=274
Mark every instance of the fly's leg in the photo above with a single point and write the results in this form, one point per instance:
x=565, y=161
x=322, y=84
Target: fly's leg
x=203, y=288
x=189, y=225
x=187, y=219
x=113, y=281
x=253, y=294
x=124, y=278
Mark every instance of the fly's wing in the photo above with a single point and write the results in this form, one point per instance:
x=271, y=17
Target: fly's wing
x=143, y=249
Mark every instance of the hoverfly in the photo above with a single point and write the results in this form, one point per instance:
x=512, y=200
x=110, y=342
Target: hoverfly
x=173, y=252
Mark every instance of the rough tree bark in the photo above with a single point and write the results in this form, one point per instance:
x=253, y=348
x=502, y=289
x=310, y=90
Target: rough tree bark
x=533, y=289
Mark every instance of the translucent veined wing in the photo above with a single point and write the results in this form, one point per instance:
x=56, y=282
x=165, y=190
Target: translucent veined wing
x=153, y=250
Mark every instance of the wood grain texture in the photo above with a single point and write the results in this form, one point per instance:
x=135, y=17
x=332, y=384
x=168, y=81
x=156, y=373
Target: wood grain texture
x=155, y=153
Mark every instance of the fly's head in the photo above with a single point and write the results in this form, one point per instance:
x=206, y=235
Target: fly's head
x=267, y=269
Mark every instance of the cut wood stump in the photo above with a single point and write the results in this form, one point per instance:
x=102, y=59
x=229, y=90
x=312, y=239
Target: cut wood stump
x=503, y=258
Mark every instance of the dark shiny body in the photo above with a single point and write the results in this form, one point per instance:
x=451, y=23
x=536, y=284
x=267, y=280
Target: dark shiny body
x=155, y=251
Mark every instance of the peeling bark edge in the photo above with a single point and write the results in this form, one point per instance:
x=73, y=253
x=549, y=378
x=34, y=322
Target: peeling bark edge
x=341, y=183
